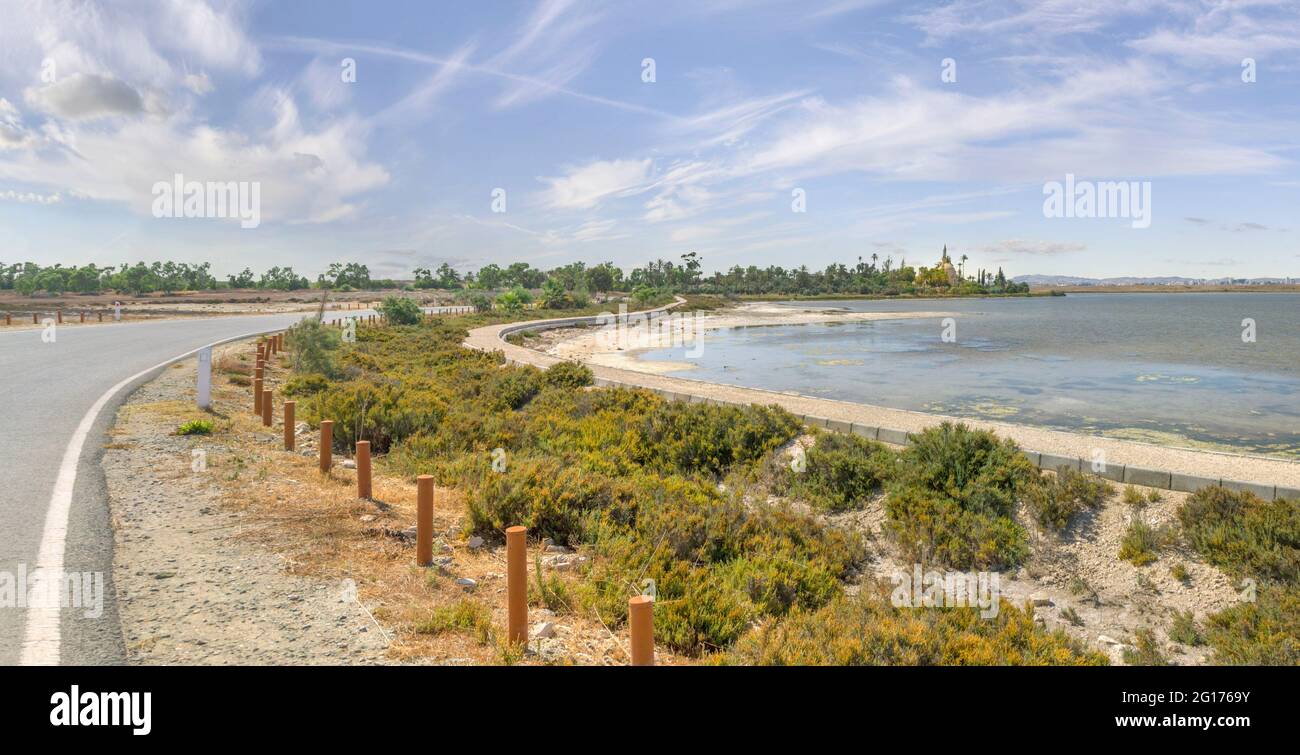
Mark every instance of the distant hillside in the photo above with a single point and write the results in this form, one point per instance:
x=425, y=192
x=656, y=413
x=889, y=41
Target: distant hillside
x=1171, y=280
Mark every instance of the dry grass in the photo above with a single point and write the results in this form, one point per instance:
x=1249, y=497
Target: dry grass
x=321, y=529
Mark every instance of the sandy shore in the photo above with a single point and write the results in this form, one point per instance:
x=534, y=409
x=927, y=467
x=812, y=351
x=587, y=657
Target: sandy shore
x=624, y=368
x=621, y=348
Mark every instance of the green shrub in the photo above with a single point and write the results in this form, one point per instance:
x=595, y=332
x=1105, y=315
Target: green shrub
x=1140, y=541
x=1263, y=633
x=868, y=631
x=1145, y=650
x=954, y=497
x=195, y=427
x=840, y=472
x=1185, y=630
x=241, y=380
x=1243, y=534
x=381, y=413
x=550, y=498
x=312, y=347
x=305, y=385
x=1134, y=497
x=568, y=375
x=1055, y=501
x=685, y=437
x=399, y=310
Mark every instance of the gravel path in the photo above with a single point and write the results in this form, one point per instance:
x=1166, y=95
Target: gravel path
x=189, y=589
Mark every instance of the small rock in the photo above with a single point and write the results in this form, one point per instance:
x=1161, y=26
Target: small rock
x=466, y=583
x=1108, y=640
x=475, y=542
x=367, y=517
x=349, y=464
x=552, y=548
x=1041, y=600
x=543, y=631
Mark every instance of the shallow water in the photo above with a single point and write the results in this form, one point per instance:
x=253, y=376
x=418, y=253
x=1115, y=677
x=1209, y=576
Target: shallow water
x=1165, y=368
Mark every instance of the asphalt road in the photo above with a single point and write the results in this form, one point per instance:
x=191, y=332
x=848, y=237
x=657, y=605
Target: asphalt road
x=46, y=389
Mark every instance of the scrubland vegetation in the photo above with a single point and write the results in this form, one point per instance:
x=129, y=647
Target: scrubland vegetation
x=699, y=502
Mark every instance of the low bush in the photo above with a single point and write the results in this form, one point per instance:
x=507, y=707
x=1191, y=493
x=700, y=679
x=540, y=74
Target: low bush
x=954, y=497
x=568, y=375
x=1185, y=629
x=1265, y=632
x=309, y=384
x=840, y=472
x=1054, y=501
x=1145, y=650
x=1140, y=542
x=869, y=631
x=399, y=310
x=1242, y=534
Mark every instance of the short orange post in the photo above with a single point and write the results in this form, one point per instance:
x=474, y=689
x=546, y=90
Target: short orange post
x=266, y=407
x=363, y=469
x=517, y=583
x=289, y=406
x=640, y=617
x=9, y=319
x=60, y=316
x=424, y=520
x=35, y=319
x=101, y=316
x=83, y=318
x=257, y=395
x=326, y=444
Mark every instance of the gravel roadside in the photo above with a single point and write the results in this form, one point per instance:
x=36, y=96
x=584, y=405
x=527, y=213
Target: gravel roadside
x=190, y=590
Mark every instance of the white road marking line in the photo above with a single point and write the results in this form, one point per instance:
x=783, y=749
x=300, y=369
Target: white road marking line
x=42, y=637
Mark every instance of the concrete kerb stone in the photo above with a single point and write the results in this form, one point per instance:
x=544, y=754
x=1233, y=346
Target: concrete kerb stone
x=1190, y=483
x=866, y=431
x=1151, y=478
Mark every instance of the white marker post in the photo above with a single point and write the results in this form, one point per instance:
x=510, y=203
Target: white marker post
x=117, y=311
x=204, y=398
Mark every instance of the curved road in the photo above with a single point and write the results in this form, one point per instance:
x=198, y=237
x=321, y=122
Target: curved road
x=47, y=394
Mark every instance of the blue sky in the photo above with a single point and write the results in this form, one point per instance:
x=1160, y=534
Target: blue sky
x=842, y=99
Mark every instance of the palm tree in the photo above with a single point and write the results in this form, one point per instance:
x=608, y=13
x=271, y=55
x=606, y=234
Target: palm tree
x=961, y=269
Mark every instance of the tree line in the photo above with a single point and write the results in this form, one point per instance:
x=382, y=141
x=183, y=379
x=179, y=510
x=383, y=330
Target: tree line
x=569, y=284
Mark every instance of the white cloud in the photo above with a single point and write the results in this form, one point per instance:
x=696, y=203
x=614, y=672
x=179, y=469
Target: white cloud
x=586, y=186
x=198, y=83
x=86, y=95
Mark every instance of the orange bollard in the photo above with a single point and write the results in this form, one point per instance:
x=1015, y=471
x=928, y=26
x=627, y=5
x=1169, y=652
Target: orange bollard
x=289, y=406
x=640, y=617
x=424, y=520
x=326, y=444
x=266, y=408
x=60, y=316
x=9, y=319
x=101, y=316
x=257, y=396
x=517, y=583
x=363, y=469
x=35, y=319
x=83, y=318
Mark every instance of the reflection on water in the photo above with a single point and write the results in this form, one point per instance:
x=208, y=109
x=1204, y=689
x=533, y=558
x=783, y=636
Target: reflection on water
x=1163, y=368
